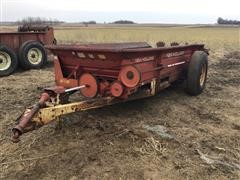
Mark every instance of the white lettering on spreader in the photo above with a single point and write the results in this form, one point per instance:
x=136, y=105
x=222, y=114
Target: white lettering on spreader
x=174, y=54
x=175, y=64
x=144, y=59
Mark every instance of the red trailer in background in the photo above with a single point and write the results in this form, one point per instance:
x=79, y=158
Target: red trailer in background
x=24, y=48
x=110, y=73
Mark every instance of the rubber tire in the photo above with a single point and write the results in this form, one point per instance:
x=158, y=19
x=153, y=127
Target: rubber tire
x=23, y=51
x=14, y=61
x=193, y=87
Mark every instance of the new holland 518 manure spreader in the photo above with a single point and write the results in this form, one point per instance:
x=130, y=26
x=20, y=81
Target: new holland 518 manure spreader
x=111, y=73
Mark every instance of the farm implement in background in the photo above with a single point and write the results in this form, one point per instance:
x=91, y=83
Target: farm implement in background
x=106, y=74
x=25, y=48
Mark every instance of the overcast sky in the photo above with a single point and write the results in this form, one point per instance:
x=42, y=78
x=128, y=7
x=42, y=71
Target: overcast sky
x=141, y=11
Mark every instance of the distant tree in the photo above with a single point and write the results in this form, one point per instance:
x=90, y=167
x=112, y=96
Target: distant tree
x=220, y=20
x=123, y=22
x=86, y=23
x=226, y=21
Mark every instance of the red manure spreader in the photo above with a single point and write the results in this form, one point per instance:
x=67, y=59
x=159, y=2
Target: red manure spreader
x=25, y=48
x=106, y=74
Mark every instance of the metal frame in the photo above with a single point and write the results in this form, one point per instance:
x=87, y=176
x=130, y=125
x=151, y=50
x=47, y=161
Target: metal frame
x=45, y=112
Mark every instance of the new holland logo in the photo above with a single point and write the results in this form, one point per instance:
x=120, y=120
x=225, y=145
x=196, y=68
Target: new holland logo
x=174, y=54
x=144, y=59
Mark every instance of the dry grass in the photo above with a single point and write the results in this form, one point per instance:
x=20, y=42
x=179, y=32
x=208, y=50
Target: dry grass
x=227, y=38
x=153, y=148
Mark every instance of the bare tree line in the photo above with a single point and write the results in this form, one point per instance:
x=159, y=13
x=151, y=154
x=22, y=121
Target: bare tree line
x=49, y=21
x=228, y=21
x=31, y=21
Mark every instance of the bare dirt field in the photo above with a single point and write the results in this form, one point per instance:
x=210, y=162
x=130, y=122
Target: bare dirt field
x=202, y=138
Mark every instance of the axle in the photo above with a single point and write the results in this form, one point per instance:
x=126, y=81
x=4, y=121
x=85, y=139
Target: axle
x=75, y=88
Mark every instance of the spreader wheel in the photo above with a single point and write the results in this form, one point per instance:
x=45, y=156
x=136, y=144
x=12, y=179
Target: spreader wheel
x=32, y=55
x=91, y=84
x=197, y=73
x=8, y=61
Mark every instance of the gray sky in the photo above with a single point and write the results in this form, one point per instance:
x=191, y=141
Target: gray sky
x=145, y=11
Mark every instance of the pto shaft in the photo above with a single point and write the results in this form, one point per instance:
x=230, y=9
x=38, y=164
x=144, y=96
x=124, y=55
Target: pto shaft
x=24, y=121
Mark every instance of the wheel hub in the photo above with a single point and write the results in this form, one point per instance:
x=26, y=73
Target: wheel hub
x=34, y=56
x=129, y=76
x=91, y=84
x=5, y=61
